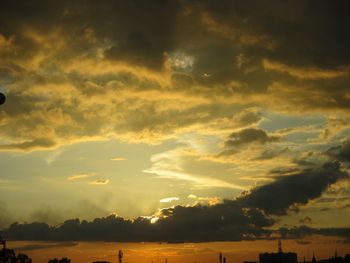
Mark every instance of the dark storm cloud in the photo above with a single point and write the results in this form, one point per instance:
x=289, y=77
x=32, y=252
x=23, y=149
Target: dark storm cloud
x=186, y=224
x=137, y=49
x=139, y=32
x=341, y=152
x=142, y=31
x=304, y=231
x=318, y=26
x=248, y=136
x=245, y=137
x=278, y=55
x=295, y=189
x=183, y=226
x=227, y=221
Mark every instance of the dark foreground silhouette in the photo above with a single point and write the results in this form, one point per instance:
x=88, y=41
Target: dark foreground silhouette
x=9, y=256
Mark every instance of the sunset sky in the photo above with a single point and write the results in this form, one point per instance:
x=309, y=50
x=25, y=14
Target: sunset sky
x=197, y=120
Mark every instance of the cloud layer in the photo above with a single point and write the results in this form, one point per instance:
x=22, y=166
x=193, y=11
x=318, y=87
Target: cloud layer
x=86, y=71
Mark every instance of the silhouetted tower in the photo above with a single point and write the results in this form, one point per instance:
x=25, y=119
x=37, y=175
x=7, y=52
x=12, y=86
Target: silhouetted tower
x=280, y=246
x=313, y=258
x=166, y=260
x=220, y=257
x=120, y=256
x=336, y=255
x=224, y=259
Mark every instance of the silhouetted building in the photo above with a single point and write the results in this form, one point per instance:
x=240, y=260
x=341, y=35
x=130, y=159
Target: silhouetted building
x=279, y=257
x=335, y=259
x=62, y=260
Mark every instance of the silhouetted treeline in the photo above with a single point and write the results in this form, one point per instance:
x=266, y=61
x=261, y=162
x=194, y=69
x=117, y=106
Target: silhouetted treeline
x=9, y=255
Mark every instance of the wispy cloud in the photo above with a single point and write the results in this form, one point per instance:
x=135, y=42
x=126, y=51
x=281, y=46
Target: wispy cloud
x=199, y=180
x=118, y=158
x=52, y=157
x=171, y=165
x=80, y=176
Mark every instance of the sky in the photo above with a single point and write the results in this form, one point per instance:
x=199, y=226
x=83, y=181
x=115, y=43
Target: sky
x=174, y=120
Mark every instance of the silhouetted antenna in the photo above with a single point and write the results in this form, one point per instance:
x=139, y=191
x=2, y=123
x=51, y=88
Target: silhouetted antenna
x=279, y=246
x=120, y=256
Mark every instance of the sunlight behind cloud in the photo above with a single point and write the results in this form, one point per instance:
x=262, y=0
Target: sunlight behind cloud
x=169, y=199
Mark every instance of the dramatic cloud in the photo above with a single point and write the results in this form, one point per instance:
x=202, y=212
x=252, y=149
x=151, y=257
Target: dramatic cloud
x=246, y=217
x=65, y=60
x=237, y=141
x=295, y=189
x=341, y=152
x=247, y=136
x=303, y=231
x=210, y=97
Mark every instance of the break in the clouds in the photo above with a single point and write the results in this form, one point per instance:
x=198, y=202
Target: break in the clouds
x=249, y=216
x=169, y=199
x=295, y=189
x=128, y=103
